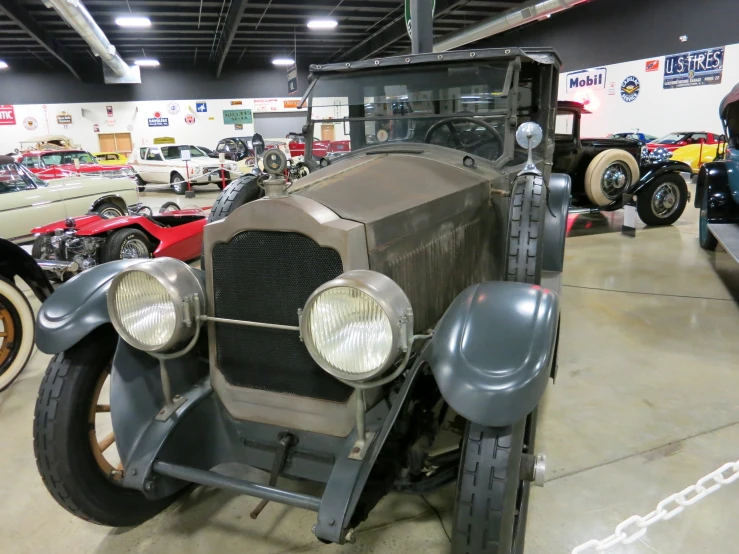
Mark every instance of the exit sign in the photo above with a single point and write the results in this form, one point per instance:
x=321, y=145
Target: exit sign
x=7, y=115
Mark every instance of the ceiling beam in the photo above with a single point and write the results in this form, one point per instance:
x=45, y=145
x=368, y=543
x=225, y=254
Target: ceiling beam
x=20, y=16
x=235, y=13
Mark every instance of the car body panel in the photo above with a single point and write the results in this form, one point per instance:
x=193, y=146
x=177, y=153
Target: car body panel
x=695, y=155
x=36, y=163
x=153, y=168
x=690, y=137
x=111, y=158
x=39, y=203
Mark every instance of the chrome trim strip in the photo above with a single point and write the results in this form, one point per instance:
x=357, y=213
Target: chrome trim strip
x=249, y=323
x=110, y=192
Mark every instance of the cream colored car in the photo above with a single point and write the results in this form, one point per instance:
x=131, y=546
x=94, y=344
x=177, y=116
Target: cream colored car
x=27, y=202
x=164, y=165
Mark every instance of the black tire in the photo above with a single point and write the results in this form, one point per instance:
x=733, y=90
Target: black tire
x=41, y=246
x=61, y=443
x=168, y=207
x=525, y=229
x=113, y=249
x=17, y=325
x=108, y=210
x=705, y=237
x=178, y=183
x=239, y=192
x=645, y=205
x=489, y=491
x=140, y=183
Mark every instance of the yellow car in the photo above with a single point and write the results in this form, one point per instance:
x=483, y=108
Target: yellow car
x=111, y=158
x=695, y=155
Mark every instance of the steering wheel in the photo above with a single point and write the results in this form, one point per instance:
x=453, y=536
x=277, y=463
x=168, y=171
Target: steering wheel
x=459, y=144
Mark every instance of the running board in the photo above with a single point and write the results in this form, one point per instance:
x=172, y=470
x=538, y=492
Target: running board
x=727, y=234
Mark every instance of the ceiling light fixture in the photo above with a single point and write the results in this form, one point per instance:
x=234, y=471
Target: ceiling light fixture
x=3, y=65
x=147, y=63
x=283, y=61
x=133, y=21
x=322, y=23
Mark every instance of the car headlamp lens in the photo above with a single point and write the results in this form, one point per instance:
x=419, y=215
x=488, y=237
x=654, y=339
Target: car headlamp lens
x=356, y=326
x=153, y=304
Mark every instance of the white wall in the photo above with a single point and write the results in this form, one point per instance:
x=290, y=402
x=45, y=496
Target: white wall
x=656, y=111
x=130, y=117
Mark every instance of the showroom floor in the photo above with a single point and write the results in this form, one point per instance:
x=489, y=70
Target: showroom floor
x=645, y=404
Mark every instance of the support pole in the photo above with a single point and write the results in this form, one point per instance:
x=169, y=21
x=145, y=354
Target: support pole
x=422, y=26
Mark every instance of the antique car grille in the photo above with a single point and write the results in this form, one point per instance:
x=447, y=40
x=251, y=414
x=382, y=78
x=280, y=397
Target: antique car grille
x=265, y=276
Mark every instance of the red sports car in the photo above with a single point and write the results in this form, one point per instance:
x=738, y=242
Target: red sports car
x=673, y=141
x=321, y=148
x=67, y=247
x=55, y=164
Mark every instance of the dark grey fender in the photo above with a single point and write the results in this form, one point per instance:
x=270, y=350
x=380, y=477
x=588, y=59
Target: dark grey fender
x=555, y=222
x=492, y=351
x=76, y=308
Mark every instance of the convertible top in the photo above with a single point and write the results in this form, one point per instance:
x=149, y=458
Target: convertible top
x=729, y=99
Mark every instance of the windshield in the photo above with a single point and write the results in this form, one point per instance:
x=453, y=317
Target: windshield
x=67, y=158
x=460, y=106
x=15, y=177
x=175, y=152
x=672, y=138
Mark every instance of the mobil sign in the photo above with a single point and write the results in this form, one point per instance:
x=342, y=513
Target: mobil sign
x=586, y=79
x=7, y=115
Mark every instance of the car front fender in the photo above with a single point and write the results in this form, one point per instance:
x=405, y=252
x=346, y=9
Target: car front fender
x=492, y=351
x=650, y=172
x=77, y=308
x=16, y=262
x=722, y=202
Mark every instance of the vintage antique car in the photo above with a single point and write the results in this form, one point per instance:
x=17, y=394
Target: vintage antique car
x=26, y=201
x=717, y=187
x=633, y=135
x=111, y=158
x=239, y=149
x=164, y=165
x=695, y=155
x=67, y=247
x=17, y=321
x=55, y=164
x=340, y=324
x=604, y=170
x=48, y=142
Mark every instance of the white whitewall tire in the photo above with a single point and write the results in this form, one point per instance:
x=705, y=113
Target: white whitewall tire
x=17, y=332
x=609, y=175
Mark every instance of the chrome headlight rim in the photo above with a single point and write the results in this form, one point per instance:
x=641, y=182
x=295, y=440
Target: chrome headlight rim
x=392, y=300
x=181, y=285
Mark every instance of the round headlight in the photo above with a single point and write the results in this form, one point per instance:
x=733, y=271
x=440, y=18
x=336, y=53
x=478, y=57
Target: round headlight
x=356, y=326
x=152, y=304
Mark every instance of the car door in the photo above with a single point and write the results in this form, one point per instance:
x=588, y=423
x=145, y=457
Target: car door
x=25, y=202
x=152, y=167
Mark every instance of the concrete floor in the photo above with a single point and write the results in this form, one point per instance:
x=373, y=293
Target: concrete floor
x=644, y=405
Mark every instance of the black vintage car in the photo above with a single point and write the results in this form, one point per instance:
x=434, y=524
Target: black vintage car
x=340, y=326
x=603, y=170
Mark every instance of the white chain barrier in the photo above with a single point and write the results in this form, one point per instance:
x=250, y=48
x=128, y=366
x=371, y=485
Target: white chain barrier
x=635, y=527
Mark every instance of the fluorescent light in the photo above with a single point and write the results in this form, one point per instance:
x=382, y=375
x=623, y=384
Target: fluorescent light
x=3, y=65
x=283, y=61
x=133, y=21
x=322, y=23
x=147, y=63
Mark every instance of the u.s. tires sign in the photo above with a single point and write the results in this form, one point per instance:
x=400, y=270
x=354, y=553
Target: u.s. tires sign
x=693, y=69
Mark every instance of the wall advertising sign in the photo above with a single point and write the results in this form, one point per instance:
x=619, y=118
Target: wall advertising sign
x=236, y=102
x=7, y=115
x=630, y=89
x=651, y=65
x=201, y=107
x=290, y=104
x=30, y=123
x=236, y=116
x=586, y=78
x=158, y=120
x=262, y=105
x=190, y=119
x=109, y=109
x=693, y=69
x=164, y=140
x=292, y=80
x=173, y=108
x=63, y=118
x=95, y=128
x=239, y=127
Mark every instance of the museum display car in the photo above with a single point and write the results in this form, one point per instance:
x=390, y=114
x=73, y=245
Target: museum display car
x=111, y=158
x=26, y=201
x=55, y=164
x=17, y=321
x=67, y=247
x=695, y=155
x=717, y=187
x=606, y=170
x=633, y=135
x=165, y=165
x=339, y=323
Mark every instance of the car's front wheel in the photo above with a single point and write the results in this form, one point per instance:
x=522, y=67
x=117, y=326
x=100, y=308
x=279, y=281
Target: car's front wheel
x=73, y=438
x=108, y=210
x=126, y=244
x=492, y=494
x=662, y=202
x=178, y=183
x=16, y=332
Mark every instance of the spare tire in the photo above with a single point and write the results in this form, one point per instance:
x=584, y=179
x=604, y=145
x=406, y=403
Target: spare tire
x=609, y=175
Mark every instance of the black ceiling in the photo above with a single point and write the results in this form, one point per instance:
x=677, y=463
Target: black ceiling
x=227, y=33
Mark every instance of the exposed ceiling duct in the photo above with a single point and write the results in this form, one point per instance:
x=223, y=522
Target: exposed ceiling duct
x=504, y=22
x=77, y=16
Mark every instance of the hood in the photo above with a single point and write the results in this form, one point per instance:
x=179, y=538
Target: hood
x=390, y=185
x=79, y=223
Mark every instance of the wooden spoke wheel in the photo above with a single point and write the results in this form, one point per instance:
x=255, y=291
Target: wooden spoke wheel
x=100, y=430
x=7, y=334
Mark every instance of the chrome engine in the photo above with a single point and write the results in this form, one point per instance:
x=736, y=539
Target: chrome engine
x=64, y=253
